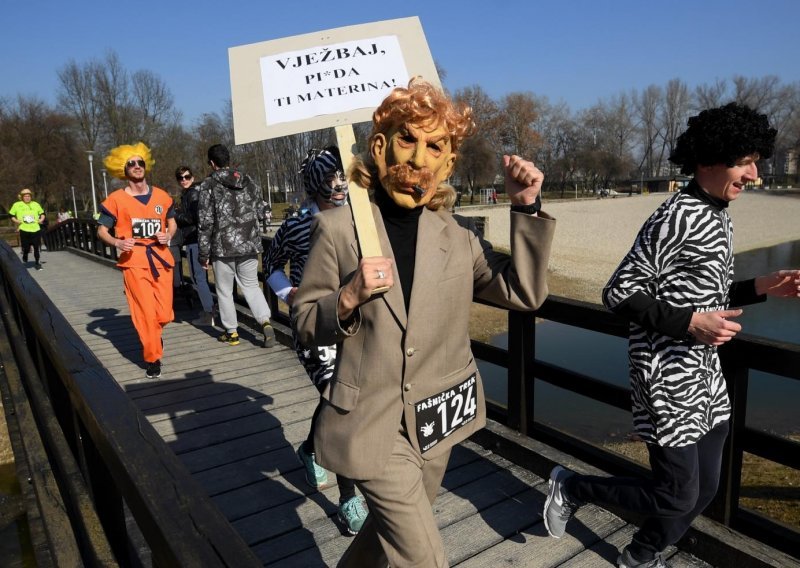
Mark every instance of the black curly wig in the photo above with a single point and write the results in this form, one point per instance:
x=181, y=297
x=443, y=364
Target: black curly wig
x=723, y=135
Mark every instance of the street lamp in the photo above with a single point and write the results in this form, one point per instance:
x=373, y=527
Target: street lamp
x=90, y=153
x=269, y=192
x=74, y=204
x=105, y=184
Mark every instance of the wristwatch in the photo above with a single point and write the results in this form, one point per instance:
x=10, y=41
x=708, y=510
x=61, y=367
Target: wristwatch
x=534, y=207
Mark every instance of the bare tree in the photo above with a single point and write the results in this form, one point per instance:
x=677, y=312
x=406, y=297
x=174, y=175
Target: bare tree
x=478, y=158
x=710, y=96
x=556, y=156
x=78, y=97
x=647, y=105
x=477, y=164
x=38, y=150
x=519, y=112
x=114, y=95
x=153, y=103
x=673, y=115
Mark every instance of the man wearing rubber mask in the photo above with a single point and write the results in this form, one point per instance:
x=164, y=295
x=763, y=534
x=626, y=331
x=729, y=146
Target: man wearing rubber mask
x=326, y=188
x=404, y=357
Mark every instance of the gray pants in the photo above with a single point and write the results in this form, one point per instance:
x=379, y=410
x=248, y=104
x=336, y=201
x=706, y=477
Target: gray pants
x=199, y=277
x=245, y=270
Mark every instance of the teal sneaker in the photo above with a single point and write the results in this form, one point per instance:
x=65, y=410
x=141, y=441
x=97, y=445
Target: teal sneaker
x=352, y=514
x=316, y=476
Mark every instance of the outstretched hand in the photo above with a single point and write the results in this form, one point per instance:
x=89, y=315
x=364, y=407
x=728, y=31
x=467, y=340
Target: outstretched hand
x=523, y=180
x=714, y=328
x=780, y=284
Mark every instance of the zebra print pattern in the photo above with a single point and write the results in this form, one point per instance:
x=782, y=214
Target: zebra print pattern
x=317, y=165
x=291, y=244
x=683, y=255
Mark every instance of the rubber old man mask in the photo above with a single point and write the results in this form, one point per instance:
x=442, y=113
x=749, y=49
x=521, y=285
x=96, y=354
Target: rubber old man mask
x=413, y=154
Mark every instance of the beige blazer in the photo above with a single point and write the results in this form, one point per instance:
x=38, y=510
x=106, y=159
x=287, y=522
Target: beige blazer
x=388, y=360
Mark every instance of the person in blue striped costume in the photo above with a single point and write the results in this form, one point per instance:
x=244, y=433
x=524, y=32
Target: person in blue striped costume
x=676, y=288
x=326, y=187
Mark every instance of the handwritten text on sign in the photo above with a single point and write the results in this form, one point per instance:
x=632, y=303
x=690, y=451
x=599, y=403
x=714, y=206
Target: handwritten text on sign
x=331, y=79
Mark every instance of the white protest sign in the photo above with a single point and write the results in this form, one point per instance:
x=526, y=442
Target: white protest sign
x=323, y=79
x=331, y=79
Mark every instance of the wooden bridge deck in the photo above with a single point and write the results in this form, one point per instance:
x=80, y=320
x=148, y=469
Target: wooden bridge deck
x=233, y=415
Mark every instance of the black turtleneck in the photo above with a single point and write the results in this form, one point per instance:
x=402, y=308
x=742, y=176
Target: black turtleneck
x=695, y=190
x=401, y=227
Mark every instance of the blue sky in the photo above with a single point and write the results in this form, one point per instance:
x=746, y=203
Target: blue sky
x=577, y=51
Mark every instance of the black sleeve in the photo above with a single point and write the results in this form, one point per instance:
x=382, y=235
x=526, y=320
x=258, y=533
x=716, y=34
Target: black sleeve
x=743, y=293
x=655, y=315
x=186, y=213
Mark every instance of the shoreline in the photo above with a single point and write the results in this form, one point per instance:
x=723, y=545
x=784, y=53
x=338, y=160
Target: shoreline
x=593, y=235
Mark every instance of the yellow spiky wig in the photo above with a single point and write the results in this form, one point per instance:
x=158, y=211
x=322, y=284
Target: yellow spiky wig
x=117, y=158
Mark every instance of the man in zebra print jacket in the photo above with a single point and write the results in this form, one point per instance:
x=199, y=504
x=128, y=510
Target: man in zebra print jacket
x=676, y=287
x=326, y=188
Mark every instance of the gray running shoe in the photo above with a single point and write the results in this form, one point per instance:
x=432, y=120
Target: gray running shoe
x=626, y=560
x=559, y=507
x=269, y=335
x=352, y=514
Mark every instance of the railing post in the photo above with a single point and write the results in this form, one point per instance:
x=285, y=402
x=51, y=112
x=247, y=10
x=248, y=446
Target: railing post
x=521, y=354
x=106, y=497
x=726, y=502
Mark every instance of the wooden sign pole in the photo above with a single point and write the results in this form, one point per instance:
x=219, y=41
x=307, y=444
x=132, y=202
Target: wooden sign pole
x=366, y=232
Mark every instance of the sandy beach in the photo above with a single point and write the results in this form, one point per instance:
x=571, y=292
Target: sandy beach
x=593, y=235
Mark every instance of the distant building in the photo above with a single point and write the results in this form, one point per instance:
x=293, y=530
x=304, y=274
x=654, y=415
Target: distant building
x=655, y=184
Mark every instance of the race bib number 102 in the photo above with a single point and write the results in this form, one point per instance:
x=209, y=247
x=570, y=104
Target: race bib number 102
x=145, y=228
x=440, y=415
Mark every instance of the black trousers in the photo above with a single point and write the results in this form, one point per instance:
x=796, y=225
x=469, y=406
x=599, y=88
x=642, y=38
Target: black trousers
x=683, y=484
x=28, y=240
x=347, y=487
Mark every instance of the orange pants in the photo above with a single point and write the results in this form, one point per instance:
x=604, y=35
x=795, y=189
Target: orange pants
x=150, y=302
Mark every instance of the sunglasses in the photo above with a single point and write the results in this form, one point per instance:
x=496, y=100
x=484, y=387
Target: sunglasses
x=186, y=177
x=133, y=163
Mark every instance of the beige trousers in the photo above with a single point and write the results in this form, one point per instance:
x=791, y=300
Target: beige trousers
x=400, y=530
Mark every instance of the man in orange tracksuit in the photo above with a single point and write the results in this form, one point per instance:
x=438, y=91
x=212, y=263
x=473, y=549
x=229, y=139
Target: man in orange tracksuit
x=142, y=217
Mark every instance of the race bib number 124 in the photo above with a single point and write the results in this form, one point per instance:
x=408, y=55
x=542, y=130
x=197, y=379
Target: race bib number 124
x=440, y=415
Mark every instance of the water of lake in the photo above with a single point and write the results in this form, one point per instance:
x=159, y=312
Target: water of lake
x=772, y=401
